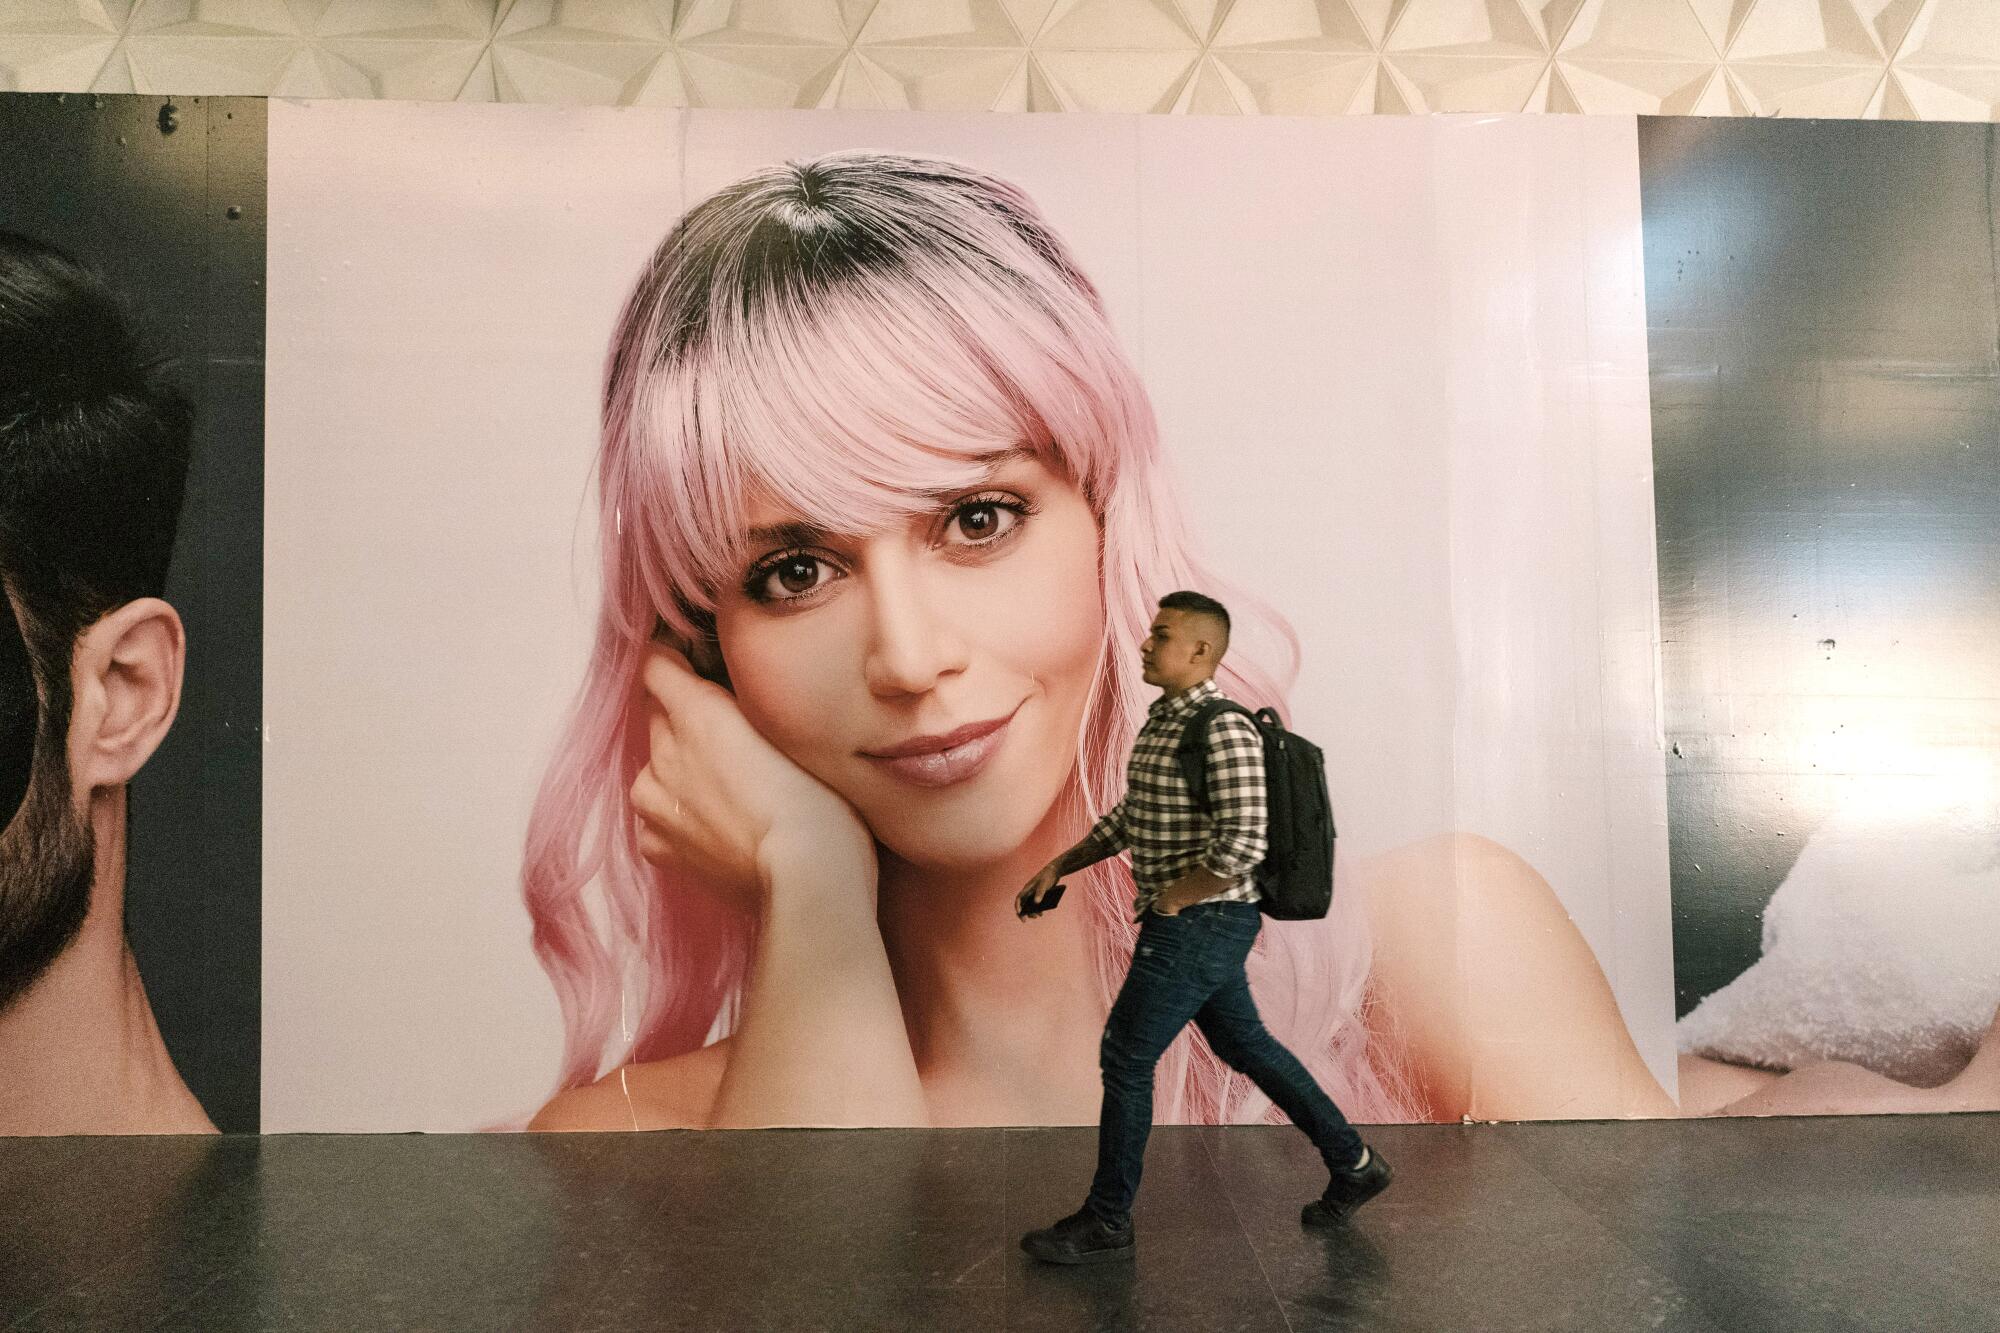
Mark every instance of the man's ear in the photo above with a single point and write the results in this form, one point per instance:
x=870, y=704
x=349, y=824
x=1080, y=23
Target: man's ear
x=126, y=678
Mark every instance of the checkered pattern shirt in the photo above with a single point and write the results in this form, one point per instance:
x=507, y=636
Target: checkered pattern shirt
x=1158, y=821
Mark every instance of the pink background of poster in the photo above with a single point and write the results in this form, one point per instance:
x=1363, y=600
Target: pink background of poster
x=1400, y=369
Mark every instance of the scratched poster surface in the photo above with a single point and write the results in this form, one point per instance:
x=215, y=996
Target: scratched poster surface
x=1822, y=320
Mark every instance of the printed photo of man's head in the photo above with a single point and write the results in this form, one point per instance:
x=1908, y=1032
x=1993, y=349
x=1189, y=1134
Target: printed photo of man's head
x=131, y=447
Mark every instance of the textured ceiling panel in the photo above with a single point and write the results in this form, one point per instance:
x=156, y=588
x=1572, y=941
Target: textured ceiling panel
x=1907, y=59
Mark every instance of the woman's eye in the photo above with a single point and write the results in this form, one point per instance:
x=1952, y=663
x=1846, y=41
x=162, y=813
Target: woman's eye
x=789, y=577
x=980, y=522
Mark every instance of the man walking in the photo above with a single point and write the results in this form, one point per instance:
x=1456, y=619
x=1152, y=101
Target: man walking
x=1197, y=905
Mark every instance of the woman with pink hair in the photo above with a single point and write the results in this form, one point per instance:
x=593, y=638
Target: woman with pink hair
x=884, y=520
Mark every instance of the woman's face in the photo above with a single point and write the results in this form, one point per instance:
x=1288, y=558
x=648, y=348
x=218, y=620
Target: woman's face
x=933, y=673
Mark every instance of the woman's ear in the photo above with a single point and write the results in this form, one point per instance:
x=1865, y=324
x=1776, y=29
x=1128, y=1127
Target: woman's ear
x=126, y=678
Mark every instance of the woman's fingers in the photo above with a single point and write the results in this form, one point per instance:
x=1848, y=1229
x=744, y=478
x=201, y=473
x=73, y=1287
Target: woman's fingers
x=683, y=704
x=668, y=677
x=649, y=797
x=712, y=793
x=659, y=733
x=659, y=817
x=653, y=847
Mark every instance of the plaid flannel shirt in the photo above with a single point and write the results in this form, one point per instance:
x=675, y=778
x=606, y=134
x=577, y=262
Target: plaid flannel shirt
x=1158, y=822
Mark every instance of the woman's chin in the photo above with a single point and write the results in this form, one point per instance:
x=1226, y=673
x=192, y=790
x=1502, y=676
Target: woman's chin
x=972, y=825
x=954, y=846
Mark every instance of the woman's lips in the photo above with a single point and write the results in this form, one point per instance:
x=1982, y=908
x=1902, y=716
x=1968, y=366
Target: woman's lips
x=944, y=761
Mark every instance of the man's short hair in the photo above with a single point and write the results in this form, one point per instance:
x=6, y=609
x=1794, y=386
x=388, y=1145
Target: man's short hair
x=94, y=444
x=1196, y=604
x=1200, y=604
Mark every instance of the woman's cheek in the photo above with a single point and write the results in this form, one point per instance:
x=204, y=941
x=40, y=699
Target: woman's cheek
x=1067, y=607
x=1076, y=623
x=782, y=686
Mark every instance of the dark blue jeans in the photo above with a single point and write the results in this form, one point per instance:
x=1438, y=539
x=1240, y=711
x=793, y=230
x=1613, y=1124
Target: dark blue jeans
x=1189, y=968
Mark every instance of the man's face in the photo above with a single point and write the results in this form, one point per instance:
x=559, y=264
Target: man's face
x=46, y=851
x=1172, y=656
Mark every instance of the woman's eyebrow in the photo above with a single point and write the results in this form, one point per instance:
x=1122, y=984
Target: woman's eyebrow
x=798, y=532
x=1018, y=454
x=993, y=464
x=795, y=533
x=1007, y=458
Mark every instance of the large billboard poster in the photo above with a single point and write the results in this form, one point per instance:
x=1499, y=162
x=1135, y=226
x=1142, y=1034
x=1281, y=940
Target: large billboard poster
x=902, y=437
x=705, y=555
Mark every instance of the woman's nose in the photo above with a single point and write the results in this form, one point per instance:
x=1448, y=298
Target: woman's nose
x=913, y=639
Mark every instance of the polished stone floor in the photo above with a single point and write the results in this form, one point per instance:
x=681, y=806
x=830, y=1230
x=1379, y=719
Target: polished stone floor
x=1764, y=1225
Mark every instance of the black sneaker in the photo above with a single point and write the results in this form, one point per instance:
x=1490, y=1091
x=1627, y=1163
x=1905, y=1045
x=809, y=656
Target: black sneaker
x=1080, y=1238
x=1347, y=1191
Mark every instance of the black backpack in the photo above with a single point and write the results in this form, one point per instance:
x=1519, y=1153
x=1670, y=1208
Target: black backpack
x=1296, y=876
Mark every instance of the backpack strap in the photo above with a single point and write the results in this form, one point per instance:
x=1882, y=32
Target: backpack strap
x=1192, y=755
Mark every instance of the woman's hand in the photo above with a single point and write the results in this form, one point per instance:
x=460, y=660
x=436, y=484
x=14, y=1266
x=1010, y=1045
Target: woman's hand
x=821, y=1039
x=719, y=802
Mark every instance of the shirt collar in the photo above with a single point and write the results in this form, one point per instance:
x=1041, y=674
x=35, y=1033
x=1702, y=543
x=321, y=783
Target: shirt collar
x=1181, y=704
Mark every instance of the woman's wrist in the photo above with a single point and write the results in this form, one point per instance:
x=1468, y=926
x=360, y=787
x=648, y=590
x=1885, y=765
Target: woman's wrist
x=822, y=864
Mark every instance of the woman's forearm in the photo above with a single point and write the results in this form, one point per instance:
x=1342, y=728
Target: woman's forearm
x=821, y=1040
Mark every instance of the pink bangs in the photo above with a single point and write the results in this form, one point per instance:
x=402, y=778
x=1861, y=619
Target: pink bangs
x=854, y=411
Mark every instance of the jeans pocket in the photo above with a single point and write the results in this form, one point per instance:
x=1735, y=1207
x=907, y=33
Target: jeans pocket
x=1225, y=943
x=1163, y=946
x=1239, y=925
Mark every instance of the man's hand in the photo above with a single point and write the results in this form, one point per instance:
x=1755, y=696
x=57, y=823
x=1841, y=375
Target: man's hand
x=1029, y=903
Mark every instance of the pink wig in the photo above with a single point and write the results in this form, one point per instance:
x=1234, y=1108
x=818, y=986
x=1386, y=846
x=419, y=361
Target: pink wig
x=854, y=335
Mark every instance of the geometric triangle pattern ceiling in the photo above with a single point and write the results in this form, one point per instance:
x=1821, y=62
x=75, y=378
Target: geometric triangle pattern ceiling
x=1895, y=59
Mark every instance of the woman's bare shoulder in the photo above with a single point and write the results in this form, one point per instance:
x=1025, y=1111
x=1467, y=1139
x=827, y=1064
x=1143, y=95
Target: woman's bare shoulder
x=1501, y=1007
x=675, y=1093
x=1456, y=889
x=1425, y=875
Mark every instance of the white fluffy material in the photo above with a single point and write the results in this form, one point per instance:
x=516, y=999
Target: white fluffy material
x=1881, y=947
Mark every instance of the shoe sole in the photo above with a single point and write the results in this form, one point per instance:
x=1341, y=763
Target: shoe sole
x=1090, y=1257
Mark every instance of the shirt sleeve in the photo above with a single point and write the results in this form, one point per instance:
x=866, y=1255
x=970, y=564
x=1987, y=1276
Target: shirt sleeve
x=1240, y=815
x=1108, y=836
